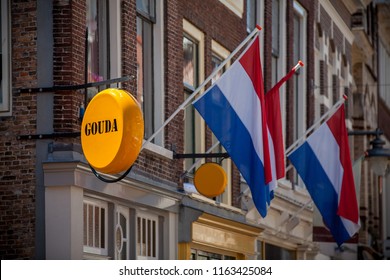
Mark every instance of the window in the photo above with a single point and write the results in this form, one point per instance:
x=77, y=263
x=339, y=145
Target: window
x=97, y=43
x=115, y=231
x=254, y=15
x=150, y=65
x=218, y=56
x=95, y=226
x=122, y=233
x=254, y=10
x=273, y=252
x=147, y=233
x=204, y=255
x=146, y=16
x=278, y=61
x=5, y=54
x=103, y=42
x=251, y=15
x=299, y=49
x=190, y=80
x=276, y=25
x=193, y=65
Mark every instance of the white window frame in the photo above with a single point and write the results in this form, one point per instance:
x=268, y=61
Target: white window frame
x=101, y=205
x=300, y=100
x=300, y=103
x=236, y=6
x=5, y=91
x=140, y=255
x=199, y=36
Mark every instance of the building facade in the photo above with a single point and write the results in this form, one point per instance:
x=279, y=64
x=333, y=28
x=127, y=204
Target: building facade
x=56, y=55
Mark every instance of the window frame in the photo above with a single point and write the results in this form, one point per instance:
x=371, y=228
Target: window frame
x=101, y=205
x=194, y=33
x=139, y=239
x=299, y=80
x=6, y=68
x=300, y=84
x=125, y=212
x=157, y=72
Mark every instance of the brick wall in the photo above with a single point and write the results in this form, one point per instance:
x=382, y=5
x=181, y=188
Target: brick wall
x=69, y=47
x=17, y=158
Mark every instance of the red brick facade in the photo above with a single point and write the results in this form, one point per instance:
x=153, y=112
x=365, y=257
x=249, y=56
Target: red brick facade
x=18, y=179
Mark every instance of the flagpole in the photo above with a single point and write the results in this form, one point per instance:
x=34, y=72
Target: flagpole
x=323, y=117
x=299, y=65
x=205, y=82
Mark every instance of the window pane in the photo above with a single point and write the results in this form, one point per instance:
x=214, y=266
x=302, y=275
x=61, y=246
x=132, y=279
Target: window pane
x=93, y=41
x=85, y=218
x=297, y=37
x=275, y=27
x=90, y=225
x=189, y=132
x=124, y=251
x=143, y=237
x=215, y=62
x=154, y=236
x=251, y=14
x=97, y=227
x=139, y=236
x=146, y=7
x=123, y=225
x=97, y=43
x=149, y=239
x=145, y=90
x=102, y=228
x=190, y=80
x=273, y=252
x=190, y=63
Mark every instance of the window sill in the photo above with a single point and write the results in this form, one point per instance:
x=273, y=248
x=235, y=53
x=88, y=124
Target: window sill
x=158, y=151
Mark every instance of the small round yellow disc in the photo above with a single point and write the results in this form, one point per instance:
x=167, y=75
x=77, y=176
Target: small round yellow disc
x=210, y=180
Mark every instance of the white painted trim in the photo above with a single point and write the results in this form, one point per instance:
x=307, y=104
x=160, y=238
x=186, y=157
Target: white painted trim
x=158, y=150
x=199, y=36
x=158, y=76
x=236, y=6
x=5, y=82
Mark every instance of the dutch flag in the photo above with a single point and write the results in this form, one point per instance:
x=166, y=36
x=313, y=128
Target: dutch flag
x=324, y=164
x=234, y=109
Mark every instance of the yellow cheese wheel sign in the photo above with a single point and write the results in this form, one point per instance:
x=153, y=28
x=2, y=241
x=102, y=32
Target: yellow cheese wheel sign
x=112, y=131
x=210, y=180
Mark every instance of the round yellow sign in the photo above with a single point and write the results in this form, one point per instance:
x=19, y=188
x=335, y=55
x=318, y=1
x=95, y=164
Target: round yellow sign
x=210, y=180
x=112, y=131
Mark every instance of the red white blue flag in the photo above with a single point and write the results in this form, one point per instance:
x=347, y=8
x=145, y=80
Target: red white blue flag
x=275, y=131
x=234, y=109
x=324, y=164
